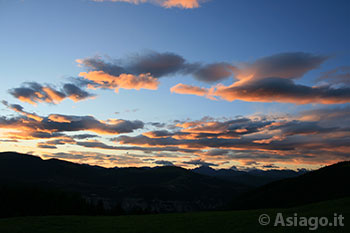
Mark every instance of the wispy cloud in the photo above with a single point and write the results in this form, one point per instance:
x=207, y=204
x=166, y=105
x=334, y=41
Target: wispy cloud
x=185, y=4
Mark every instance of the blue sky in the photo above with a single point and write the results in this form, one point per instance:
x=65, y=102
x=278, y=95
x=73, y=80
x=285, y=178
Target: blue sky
x=41, y=40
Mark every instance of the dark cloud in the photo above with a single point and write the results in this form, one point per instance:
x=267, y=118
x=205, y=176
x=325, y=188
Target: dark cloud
x=8, y=140
x=157, y=124
x=33, y=93
x=199, y=162
x=283, y=65
x=74, y=92
x=159, y=134
x=43, y=146
x=159, y=65
x=270, y=166
x=52, y=144
x=84, y=136
x=214, y=72
x=302, y=127
x=164, y=163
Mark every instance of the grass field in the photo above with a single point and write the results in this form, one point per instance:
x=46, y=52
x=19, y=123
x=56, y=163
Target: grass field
x=202, y=222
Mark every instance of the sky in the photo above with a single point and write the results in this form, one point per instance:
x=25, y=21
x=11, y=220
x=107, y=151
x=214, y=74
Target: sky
x=220, y=83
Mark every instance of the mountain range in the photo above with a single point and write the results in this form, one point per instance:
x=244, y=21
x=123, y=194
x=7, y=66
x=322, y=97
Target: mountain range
x=159, y=189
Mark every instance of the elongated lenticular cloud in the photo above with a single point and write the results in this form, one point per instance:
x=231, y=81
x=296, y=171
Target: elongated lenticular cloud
x=271, y=79
x=185, y=4
x=283, y=91
x=270, y=90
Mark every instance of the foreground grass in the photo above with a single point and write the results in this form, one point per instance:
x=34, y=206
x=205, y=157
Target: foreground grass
x=203, y=222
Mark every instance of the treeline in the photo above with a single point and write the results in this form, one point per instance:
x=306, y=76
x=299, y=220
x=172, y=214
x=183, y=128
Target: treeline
x=16, y=201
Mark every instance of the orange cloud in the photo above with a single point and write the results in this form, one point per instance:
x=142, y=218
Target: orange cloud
x=53, y=96
x=192, y=90
x=30, y=125
x=59, y=118
x=125, y=81
x=187, y=4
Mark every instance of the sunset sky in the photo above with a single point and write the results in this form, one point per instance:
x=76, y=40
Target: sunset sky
x=225, y=83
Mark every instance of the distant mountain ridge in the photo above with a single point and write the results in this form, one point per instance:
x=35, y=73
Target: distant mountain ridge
x=330, y=182
x=254, y=177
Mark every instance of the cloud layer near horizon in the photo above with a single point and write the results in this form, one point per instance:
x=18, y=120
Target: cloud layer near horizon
x=311, y=137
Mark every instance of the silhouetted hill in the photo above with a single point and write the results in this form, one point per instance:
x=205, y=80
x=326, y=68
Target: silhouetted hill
x=326, y=183
x=160, y=189
x=253, y=177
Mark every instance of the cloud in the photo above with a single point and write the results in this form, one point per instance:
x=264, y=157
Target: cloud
x=303, y=138
x=271, y=79
x=192, y=90
x=158, y=64
x=33, y=93
x=158, y=134
x=199, y=162
x=282, y=65
x=31, y=126
x=310, y=137
x=185, y=4
x=52, y=144
x=164, y=163
x=135, y=72
x=142, y=70
x=214, y=72
x=270, y=166
x=18, y=108
x=84, y=136
x=282, y=90
x=125, y=81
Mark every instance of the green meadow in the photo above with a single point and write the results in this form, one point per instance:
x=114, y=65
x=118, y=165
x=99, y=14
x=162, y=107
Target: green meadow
x=201, y=222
